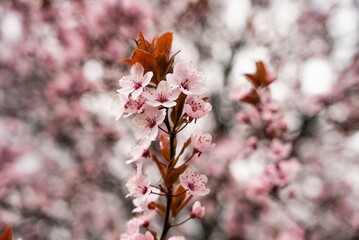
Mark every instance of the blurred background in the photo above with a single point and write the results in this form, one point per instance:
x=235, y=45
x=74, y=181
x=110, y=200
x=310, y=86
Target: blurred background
x=62, y=154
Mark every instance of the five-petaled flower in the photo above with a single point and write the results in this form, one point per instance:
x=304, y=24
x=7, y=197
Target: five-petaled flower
x=196, y=107
x=195, y=183
x=202, y=142
x=197, y=210
x=135, y=82
x=138, y=184
x=165, y=95
x=186, y=76
x=148, y=121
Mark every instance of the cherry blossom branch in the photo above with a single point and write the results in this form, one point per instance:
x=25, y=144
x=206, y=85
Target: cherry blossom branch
x=172, y=102
x=172, y=135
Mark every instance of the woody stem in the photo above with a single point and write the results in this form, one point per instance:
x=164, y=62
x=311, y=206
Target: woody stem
x=172, y=134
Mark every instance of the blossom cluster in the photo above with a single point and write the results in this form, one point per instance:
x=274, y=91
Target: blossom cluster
x=163, y=101
x=265, y=116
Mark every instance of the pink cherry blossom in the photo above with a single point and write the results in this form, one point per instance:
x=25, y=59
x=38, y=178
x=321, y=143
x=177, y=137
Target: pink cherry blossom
x=278, y=150
x=135, y=82
x=281, y=173
x=186, y=76
x=197, y=210
x=196, y=108
x=165, y=95
x=202, y=142
x=139, y=150
x=177, y=238
x=147, y=122
x=138, y=184
x=195, y=183
x=258, y=187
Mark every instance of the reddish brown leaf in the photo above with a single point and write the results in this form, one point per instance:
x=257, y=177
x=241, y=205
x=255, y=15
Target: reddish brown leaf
x=185, y=145
x=142, y=43
x=183, y=204
x=7, y=235
x=261, y=73
x=261, y=78
x=165, y=44
x=154, y=56
x=252, y=97
x=179, y=196
x=254, y=79
x=159, y=207
x=160, y=166
x=178, y=109
x=165, y=147
x=173, y=174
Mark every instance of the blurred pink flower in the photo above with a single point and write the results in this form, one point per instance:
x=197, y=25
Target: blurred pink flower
x=278, y=150
x=259, y=186
x=281, y=173
x=197, y=210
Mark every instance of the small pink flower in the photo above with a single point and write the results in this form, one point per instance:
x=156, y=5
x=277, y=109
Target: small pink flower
x=281, y=173
x=202, y=142
x=259, y=186
x=147, y=122
x=186, y=76
x=195, y=183
x=278, y=150
x=165, y=95
x=135, y=82
x=196, y=107
x=197, y=210
x=138, y=184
